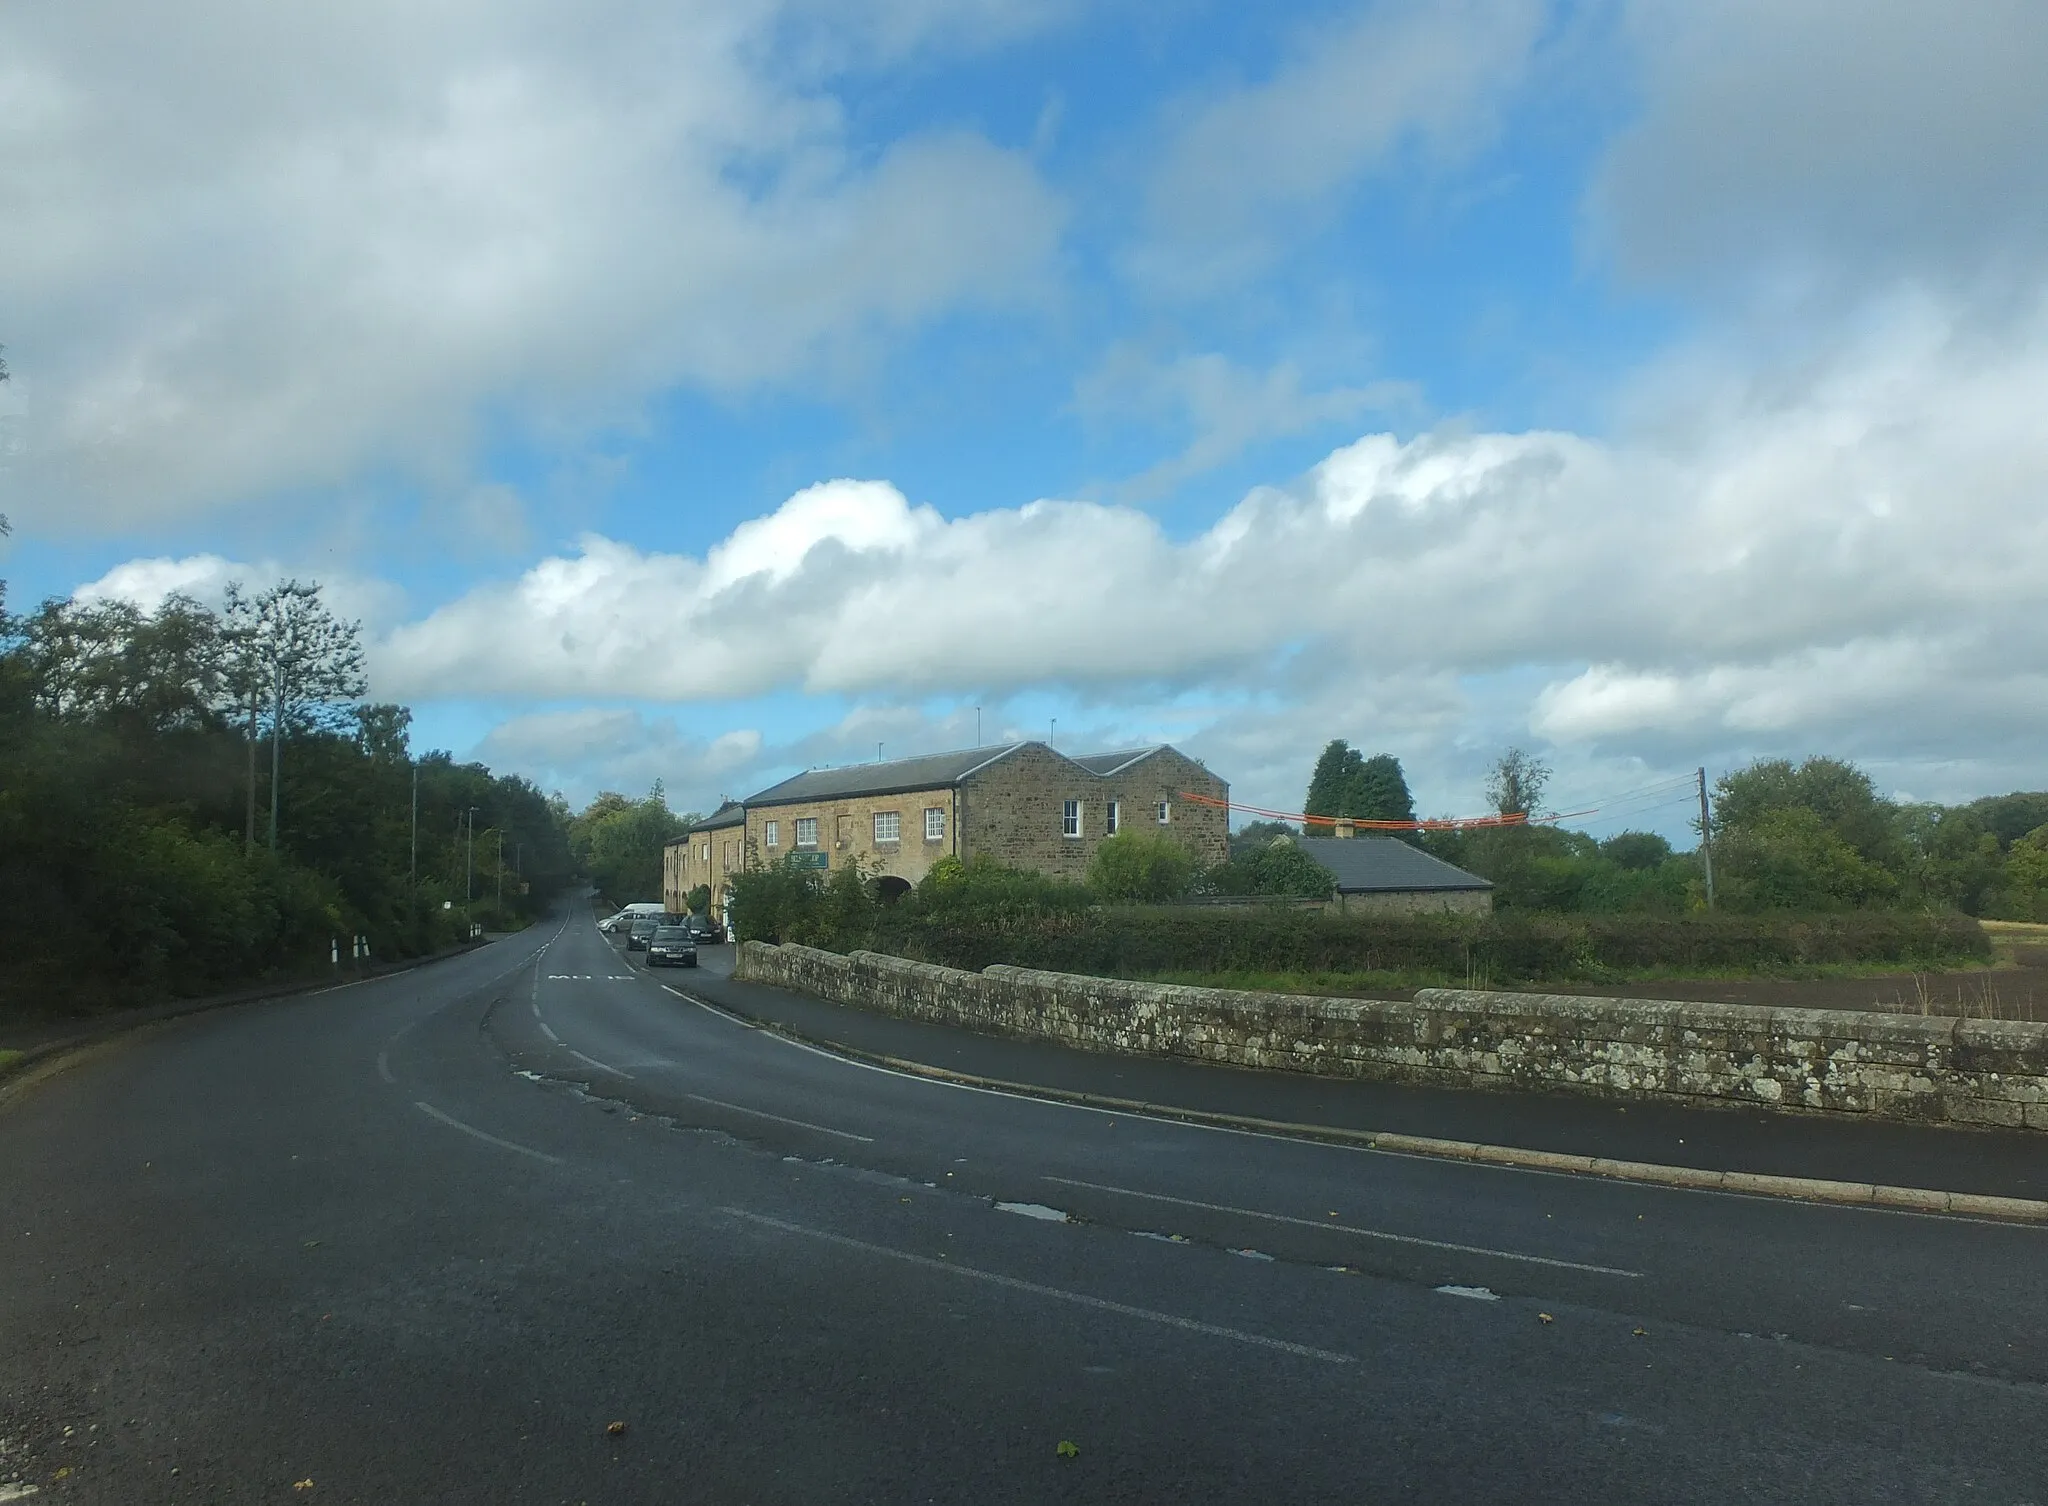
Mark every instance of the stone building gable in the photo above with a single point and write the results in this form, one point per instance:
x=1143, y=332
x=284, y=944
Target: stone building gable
x=1013, y=809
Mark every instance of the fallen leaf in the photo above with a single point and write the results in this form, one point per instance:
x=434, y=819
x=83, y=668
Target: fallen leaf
x=1641, y=1333
x=66, y=1470
x=1068, y=1450
x=1545, y=1318
x=615, y=1428
x=302, y=1484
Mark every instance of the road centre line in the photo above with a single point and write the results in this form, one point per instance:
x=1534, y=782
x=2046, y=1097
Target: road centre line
x=1310, y=1223
x=601, y=1066
x=548, y=1031
x=384, y=1067
x=454, y=1123
x=1058, y=1294
x=782, y=1119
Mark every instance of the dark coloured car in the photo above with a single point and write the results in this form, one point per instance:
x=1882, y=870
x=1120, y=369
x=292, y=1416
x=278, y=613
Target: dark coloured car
x=672, y=946
x=708, y=930
x=642, y=932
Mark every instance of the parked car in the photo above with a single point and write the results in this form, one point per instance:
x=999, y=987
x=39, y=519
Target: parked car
x=672, y=946
x=707, y=928
x=643, y=910
x=643, y=929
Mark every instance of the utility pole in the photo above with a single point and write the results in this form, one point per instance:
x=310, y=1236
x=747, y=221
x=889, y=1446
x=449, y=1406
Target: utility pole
x=977, y=726
x=469, y=876
x=1706, y=839
x=413, y=869
x=501, y=869
x=276, y=732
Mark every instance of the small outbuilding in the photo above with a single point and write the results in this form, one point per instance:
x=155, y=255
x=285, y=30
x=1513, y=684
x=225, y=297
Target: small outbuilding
x=1381, y=875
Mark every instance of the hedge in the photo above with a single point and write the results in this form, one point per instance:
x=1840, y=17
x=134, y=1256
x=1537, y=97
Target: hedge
x=1137, y=942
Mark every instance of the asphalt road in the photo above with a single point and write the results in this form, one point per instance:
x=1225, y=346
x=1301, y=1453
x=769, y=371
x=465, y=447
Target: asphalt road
x=426, y=1238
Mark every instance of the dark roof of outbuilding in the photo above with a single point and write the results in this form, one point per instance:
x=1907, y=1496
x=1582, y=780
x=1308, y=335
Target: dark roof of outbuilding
x=933, y=771
x=1381, y=865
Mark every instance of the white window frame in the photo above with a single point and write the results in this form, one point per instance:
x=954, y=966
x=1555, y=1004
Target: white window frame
x=935, y=823
x=1070, y=819
x=1112, y=817
x=888, y=828
x=806, y=831
x=771, y=834
x=1165, y=813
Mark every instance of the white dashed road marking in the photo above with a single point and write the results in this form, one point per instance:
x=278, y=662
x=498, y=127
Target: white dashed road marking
x=1310, y=1223
x=453, y=1123
x=1058, y=1294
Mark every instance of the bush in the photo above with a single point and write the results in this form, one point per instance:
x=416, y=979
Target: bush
x=1278, y=868
x=1140, y=867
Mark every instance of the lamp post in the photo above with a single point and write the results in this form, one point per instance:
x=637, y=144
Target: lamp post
x=469, y=878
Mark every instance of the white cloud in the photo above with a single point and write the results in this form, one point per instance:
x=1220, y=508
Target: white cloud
x=584, y=749
x=252, y=252
x=1228, y=407
x=145, y=583
x=1851, y=559
x=1401, y=77
x=1819, y=140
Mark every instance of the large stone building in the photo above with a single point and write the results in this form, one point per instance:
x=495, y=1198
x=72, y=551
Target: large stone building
x=1025, y=805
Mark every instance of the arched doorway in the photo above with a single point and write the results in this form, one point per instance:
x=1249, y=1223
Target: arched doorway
x=889, y=888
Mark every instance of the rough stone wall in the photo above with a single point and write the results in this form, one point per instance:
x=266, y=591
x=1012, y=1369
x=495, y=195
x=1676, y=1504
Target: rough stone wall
x=1981, y=1072
x=1012, y=810
x=908, y=859
x=1419, y=902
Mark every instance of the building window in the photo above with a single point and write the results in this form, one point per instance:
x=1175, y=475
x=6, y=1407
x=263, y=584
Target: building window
x=1112, y=817
x=704, y=853
x=888, y=826
x=807, y=831
x=725, y=859
x=935, y=823
x=1070, y=819
x=773, y=833
x=1165, y=813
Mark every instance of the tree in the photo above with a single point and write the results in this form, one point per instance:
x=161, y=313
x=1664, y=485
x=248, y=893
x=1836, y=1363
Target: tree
x=1636, y=850
x=1333, y=784
x=1345, y=783
x=1254, y=835
x=289, y=654
x=1838, y=793
x=1515, y=786
x=1137, y=867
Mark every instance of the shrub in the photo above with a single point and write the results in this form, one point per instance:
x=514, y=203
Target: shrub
x=1140, y=867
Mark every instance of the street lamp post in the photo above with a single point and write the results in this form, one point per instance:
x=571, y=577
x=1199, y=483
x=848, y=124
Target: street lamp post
x=469, y=878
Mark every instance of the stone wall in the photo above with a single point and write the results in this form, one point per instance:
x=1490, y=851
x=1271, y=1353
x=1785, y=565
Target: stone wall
x=1982, y=1072
x=1012, y=810
x=1418, y=902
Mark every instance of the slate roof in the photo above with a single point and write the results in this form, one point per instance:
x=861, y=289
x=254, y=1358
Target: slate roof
x=933, y=771
x=732, y=813
x=1109, y=763
x=894, y=776
x=1382, y=865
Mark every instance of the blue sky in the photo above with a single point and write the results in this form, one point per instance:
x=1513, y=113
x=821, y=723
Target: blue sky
x=701, y=394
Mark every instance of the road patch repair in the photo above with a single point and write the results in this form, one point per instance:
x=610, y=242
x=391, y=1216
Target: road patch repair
x=1951, y=1059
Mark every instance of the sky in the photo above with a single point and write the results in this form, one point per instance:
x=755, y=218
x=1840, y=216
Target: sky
x=702, y=392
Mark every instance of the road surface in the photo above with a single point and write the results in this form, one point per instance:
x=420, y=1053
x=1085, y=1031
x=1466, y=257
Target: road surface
x=430, y=1237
